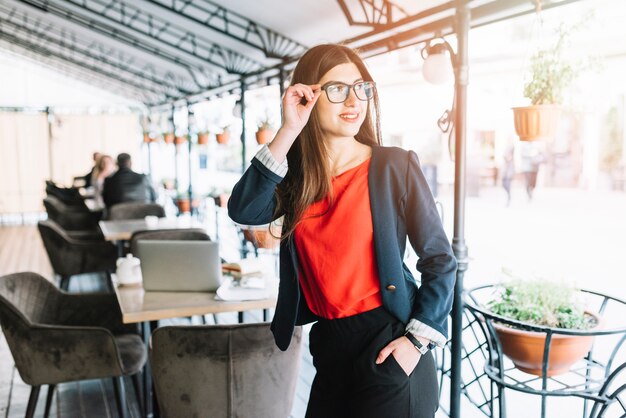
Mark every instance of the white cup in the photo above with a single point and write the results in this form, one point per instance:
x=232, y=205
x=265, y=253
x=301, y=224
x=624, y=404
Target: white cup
x=152, y=221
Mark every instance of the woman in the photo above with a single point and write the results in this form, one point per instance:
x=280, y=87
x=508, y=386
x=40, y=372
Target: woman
x=348, y=206
x=103, y=169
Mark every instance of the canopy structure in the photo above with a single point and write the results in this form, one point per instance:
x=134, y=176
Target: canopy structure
x=161, y=52
x=165, y=53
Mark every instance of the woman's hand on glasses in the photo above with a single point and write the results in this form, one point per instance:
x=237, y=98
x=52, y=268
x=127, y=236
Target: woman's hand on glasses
x=298, y=102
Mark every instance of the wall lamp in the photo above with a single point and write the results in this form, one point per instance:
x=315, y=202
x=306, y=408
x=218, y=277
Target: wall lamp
x=439, y=63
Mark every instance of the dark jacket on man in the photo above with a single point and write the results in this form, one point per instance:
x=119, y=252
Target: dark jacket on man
x=127, y=186
x=402, y=205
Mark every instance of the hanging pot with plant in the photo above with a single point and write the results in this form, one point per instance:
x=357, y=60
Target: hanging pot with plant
x=542, y=304
x=180, y=139
x=224, y=136
x=168, y=137
x=264, y=132
x=203, y=138
x=146, y=137
x=550, y=75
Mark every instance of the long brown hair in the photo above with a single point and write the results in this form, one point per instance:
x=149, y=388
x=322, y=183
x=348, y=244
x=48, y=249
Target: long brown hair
x=309, y=179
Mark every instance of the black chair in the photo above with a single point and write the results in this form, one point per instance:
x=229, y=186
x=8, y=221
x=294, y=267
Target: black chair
x=70, y=256
x=70, y=196
x=223, y=371
x=72, y=218
x=135, y=210
x=57, y=337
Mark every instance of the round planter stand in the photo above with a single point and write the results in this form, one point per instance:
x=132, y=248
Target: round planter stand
x=599, y=378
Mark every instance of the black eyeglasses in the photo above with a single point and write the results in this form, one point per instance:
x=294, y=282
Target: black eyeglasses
x=338, y=92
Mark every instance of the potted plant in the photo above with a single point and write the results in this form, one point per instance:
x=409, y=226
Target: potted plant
x=146, y=137
x=182, y=201
x=543, y=303
x=180, y=139
x=265, y=130
x=203, y=137
x=550, y=76
x=261, y=237
x=168, y=137
x=224, y=136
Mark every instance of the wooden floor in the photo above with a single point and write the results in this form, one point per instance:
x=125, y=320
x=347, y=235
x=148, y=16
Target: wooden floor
x=21, y=249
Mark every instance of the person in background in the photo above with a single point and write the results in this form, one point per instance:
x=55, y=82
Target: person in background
x=508, y=172
x=348, y=205
x=89, y=176
x=103, y=169
x=126, y=185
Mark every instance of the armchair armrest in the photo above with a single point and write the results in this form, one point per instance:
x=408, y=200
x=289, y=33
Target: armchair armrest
x=93, y=310
x=55, y=354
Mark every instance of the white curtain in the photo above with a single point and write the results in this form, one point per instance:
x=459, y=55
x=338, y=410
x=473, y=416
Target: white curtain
x=26, y=152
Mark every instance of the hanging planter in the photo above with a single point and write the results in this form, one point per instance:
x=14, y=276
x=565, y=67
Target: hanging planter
x=168, y=137
x=146, y=138
x=183, y=205
x=263, y=136
x=224, y=136
x=536, y=122
x=265, y=132
x=181, y=139
x=203, y=138
x=550, y=75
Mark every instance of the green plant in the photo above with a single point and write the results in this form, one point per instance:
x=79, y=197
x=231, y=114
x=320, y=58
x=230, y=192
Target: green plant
x=551, y=73
x=541, y=302
x=225, y=129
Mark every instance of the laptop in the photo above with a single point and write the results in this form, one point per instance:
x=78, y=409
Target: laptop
x=180, y=266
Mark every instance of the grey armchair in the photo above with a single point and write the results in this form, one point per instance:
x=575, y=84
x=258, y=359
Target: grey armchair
x=70, y=256
x=135, y=210
x=58, y=337
x=72, y=218
x=223, y=371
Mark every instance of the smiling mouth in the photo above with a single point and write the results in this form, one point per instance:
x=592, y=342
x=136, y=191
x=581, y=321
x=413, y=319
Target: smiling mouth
x=349, y=116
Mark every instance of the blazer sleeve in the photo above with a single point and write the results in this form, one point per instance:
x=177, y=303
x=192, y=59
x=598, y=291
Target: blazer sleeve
x=436, y=263
x=253, y=201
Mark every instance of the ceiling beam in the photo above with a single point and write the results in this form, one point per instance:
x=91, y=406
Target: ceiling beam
x=235, y=26
x=128, y=17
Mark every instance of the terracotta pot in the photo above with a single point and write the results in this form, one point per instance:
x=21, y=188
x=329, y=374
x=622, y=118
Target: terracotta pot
x=146, y=138
x=221, y=200
x=203, y=138
x=264, y=136
x=183, y=205
x=536, y=122
x=525, y=348
x=222, y=138
x=180, y=140
x=261, y=238
x=168, y=138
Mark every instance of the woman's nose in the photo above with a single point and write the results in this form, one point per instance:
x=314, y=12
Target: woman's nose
x=352, y=99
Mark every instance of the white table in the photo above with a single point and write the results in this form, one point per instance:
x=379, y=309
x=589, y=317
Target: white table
x=123, y=230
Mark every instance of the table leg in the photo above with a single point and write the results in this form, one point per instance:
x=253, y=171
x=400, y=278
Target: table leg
x=240, y=317
x=148, y=395
x=266, y=314
x=120, y=247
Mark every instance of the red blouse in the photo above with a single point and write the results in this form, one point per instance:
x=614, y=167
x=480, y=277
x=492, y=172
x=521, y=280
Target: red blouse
x=337, y=267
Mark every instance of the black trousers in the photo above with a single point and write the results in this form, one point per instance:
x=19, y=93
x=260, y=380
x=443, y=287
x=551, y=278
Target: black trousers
x=349, y=383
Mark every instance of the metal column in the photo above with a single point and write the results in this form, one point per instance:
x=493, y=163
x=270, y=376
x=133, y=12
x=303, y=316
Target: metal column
x=458, y=241
x=242, y=103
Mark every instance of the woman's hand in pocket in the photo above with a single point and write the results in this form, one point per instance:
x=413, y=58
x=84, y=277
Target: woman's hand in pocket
x=403, y=351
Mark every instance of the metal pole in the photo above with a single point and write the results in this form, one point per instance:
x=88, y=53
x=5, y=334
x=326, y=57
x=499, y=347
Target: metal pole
x=49, y=118
x=190, y=121
x=175, y=150
x=458, y=241
x=242, y=103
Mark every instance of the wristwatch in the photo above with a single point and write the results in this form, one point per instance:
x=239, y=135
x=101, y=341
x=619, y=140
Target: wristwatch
x=423, y=349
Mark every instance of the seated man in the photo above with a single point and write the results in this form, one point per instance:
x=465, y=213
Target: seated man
x=126, y=185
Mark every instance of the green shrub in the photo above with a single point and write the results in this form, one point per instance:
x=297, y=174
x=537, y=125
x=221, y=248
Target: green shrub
x=541, y=302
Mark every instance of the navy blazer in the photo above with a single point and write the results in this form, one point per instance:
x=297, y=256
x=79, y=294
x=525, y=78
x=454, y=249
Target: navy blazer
x=402, y=205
